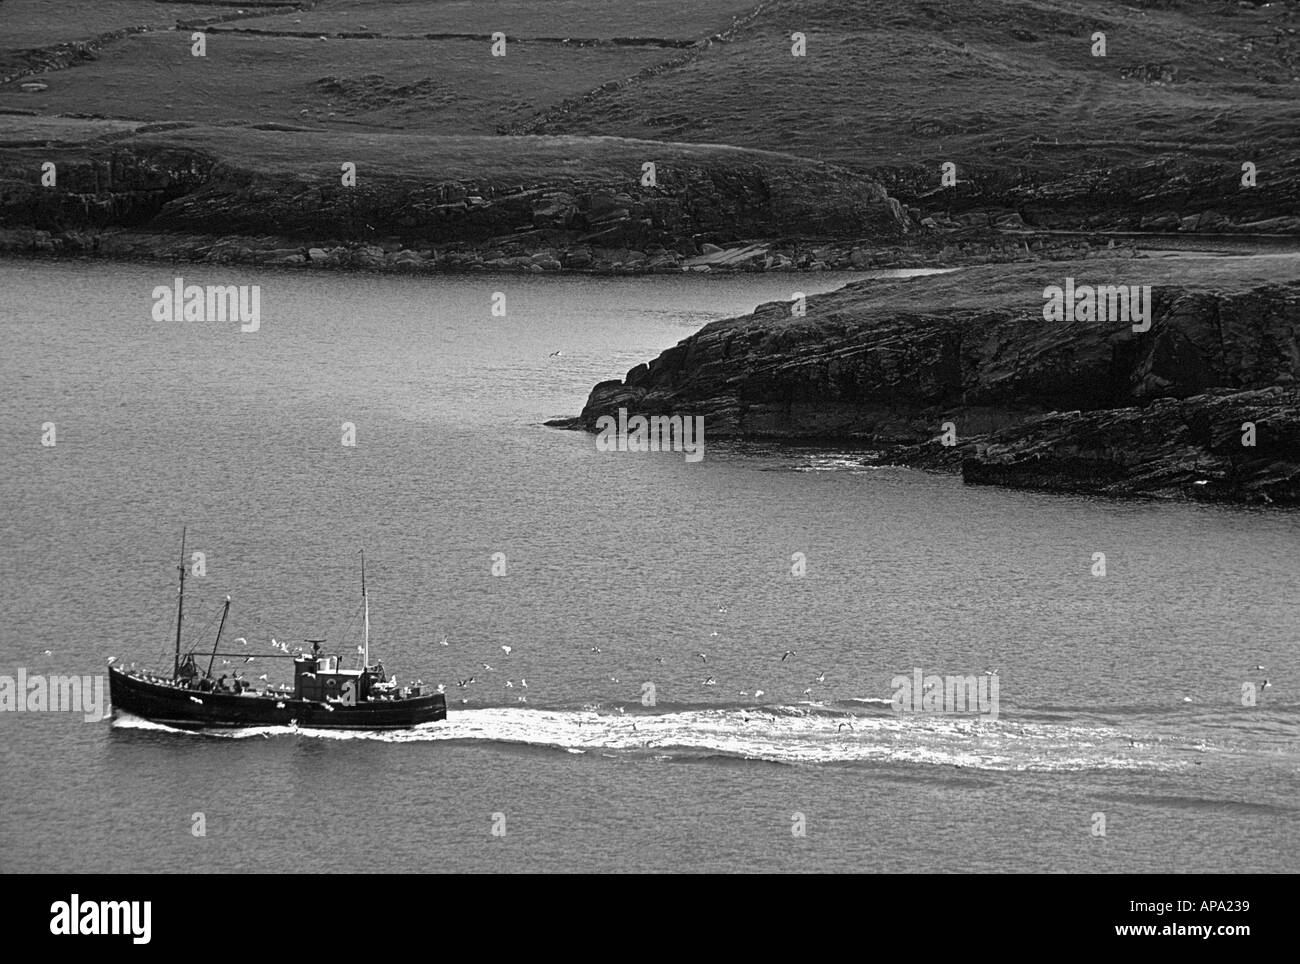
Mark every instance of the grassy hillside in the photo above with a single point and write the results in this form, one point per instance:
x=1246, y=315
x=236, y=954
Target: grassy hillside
x=988, y=84
x=427, y=87
x=1149, y=138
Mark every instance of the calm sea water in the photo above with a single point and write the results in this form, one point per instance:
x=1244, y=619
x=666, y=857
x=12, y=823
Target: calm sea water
x=1119, y=695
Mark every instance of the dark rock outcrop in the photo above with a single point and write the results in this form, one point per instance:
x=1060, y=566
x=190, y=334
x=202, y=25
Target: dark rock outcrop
x=192, y=182
x=1222, y=446
x=886, y=363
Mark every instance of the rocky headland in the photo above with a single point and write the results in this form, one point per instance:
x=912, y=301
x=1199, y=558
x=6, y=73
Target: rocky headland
x=1081, y=405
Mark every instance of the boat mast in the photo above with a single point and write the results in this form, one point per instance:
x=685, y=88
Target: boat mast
x=180, y=610
x=365, y=601
x=224, y=613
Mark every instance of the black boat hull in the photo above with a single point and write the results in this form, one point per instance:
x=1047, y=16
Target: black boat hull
x=191, y=709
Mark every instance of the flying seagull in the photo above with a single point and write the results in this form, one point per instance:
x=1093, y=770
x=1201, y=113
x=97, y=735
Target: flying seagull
x=703, y=656
x=506, y=649
x=787, y=654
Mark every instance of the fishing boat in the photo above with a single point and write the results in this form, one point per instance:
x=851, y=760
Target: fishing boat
x=324, y=694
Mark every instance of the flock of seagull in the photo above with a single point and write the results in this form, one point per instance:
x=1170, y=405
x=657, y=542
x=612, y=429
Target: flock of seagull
x=711, y=680
x=487, y=668
x=708, y=680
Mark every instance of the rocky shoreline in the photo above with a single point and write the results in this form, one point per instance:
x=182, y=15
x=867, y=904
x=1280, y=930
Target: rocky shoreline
x=961, y=373
x=520, y=256
x=1191, y=447
x=189, y=193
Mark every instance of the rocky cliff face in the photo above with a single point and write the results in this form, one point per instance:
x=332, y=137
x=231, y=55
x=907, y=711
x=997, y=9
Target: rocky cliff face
x=1178, y=196
x=145, y=183
x=1221, y=446
x=117, y=188
x=721, y=204
x=887, y=363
